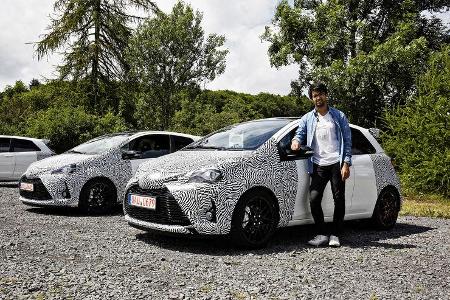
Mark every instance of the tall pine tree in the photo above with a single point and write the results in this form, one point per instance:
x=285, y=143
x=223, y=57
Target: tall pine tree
x=92, y=35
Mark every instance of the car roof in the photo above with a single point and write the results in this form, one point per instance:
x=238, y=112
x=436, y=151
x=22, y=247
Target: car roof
x=137, y=133
x=22, y=137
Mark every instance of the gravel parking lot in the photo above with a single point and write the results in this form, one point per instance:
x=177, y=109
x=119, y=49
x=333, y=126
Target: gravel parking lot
x=60, y=254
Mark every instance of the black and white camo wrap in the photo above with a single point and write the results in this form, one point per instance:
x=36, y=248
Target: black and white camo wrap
x=385, y=174
x=108, y=165
x=241, y=170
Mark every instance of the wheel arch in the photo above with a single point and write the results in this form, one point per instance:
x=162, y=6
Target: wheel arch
x=394, y=189
x=95, y=179
x=265, y=190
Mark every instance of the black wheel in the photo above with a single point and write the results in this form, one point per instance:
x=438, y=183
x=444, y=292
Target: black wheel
x=98, y=197
x=255, y=219
x=387, y=208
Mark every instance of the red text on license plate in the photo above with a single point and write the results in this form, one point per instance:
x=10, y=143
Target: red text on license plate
x=142, y=201
x=26, y=186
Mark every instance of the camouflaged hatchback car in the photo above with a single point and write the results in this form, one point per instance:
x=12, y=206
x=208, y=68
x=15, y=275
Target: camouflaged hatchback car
x=93, y=175
x=245, y=181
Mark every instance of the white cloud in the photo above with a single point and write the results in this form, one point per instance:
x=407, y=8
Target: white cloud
x=242, y=23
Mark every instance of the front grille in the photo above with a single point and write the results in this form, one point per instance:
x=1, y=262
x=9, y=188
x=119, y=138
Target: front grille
x=167, y=211
x=39, y=190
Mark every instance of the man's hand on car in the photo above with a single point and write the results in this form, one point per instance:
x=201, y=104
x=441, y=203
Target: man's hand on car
x=295, y=146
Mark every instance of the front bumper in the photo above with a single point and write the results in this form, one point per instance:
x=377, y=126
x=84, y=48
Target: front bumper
x=186, y=213
x=48, y=190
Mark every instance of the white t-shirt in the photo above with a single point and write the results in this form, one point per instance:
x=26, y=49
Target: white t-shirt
x=325, y=143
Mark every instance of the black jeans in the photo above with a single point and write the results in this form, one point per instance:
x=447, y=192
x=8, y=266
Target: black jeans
x=320, y=177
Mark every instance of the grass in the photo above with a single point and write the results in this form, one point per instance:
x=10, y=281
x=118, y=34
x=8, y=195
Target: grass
x=421, y=205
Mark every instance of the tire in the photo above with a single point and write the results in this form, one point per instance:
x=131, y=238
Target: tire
x=386, y=209
x=98, y=196
x=255, y=220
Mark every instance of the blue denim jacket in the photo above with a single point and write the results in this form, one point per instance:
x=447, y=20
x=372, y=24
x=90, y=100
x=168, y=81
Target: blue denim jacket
x=307, y=127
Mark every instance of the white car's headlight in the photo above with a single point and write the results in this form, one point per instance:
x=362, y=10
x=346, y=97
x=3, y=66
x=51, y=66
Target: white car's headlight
x=69, y=169
x=205, y=175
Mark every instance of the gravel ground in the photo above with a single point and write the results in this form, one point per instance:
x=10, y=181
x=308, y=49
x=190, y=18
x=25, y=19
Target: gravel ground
x=60, y=254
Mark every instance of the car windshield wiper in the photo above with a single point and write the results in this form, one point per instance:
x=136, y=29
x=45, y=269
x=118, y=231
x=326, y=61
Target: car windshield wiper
x=75, y=151
x=205, y=147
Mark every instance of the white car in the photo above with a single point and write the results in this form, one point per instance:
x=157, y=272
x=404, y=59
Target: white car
x=18, y=152
x=245, y=181
x=93, y=175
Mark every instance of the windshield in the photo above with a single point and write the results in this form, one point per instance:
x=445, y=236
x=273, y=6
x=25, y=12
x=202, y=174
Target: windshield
x=100, y=144
x=243, y=136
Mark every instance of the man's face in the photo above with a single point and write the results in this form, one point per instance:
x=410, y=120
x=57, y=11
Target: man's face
x=319, y=99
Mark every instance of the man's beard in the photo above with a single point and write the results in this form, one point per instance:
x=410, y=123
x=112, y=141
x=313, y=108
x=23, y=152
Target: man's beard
x=320, y=104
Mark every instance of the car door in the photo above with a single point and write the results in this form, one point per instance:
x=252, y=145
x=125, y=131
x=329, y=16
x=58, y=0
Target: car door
x=302, y=208
x=25, y=153
x=6, y=159
x=365, y=191
x=148, y=146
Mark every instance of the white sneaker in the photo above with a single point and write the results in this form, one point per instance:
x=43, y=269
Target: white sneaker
x=318, y=240
x=334, y=241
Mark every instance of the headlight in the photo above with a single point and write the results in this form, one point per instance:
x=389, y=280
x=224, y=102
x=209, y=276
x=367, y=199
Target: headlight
x=69, y=169
x=205, y=175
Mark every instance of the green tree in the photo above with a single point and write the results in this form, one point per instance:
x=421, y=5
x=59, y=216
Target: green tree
x=93, y=35
x=418, y=133
x=167, y=54
x=212, y=110
x=369, y=52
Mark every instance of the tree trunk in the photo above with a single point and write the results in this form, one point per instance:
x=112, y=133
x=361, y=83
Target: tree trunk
x=96, y=54
x=353, y=10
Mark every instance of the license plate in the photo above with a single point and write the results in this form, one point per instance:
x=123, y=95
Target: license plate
x=26, y=186
x=142, y=201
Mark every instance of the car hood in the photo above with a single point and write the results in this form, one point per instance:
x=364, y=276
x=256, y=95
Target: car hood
x=179, y=163
x=57, y=161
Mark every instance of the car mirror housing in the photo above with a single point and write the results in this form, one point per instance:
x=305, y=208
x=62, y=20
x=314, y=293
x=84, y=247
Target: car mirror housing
x=131, y=154
x=304, y=152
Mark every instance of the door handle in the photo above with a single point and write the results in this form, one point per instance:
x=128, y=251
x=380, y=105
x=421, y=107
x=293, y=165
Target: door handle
x=8, y=155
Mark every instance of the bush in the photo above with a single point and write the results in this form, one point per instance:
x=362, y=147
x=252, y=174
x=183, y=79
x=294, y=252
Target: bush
x=418, y=135
x=67, y=127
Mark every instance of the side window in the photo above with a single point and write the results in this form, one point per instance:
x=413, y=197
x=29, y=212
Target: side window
x=4, y=144
x=360, y=144
x=180, y=142
x=284, y=145
x=151, y=145
x=24, y=146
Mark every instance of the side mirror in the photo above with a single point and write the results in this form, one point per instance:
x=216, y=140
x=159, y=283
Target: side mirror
x=304, y=152
x=131, y=154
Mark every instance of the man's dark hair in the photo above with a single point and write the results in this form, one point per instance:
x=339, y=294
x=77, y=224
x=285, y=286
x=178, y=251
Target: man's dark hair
x=317, y=87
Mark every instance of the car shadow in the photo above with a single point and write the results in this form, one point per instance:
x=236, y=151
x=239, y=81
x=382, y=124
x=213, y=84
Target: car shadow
x=291, y=239
x=72, y=212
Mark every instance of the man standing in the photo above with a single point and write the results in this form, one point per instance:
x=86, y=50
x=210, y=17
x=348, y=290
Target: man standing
x=326, y=130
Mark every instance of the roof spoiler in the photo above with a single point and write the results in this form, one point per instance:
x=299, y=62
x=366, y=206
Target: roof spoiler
x=375, y=132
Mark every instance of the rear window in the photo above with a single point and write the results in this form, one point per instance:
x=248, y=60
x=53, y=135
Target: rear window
x=4, y=144
x=360, y=144
x=24, y=146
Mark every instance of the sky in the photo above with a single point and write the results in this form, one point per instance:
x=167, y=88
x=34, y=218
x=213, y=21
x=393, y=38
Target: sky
x=242, y=22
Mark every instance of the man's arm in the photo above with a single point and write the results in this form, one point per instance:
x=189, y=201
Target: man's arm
x=347, y=139
x=300, y=134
